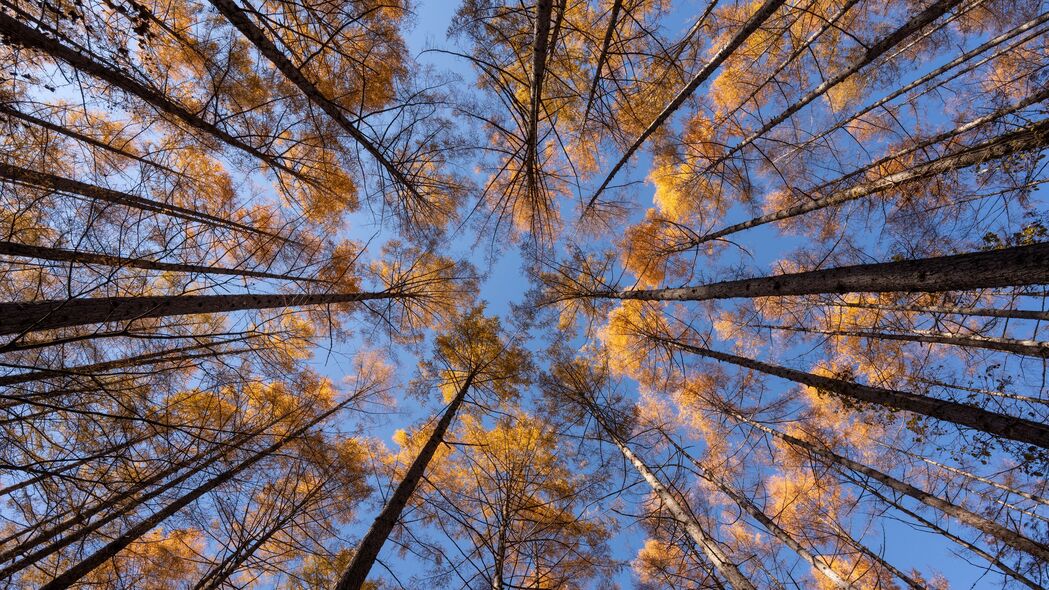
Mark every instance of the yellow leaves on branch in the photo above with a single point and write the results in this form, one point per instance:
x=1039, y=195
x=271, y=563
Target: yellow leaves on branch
x=629, y=337
x=429, y=288
x=658, y=561
x=158, y=560
x=477, y=345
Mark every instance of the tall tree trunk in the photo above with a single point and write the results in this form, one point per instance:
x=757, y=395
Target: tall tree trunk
x=15, y=113
x=873, y=52
x=1005, y=394
x=239, y=19
x=111, y=549
x=846, y=536
x=1029, y=496
x=160, y=356
x=63, y=255
x=932, y=526
x=606, y=43
x=68, y=185
x=54, y=473
x=83, y=514
x=742, y=33
x=1015, y=314
x=1007, y=536
x=217, y=575
x=17, y=318
x=1015, y=266
x=934, y=74
x=707, y=544
x=1034, y=348
x=126, y=500
x=540, y=44
x=744, y=503
x=368, y=549
x=20, y=34
x=1032, y=137
x=1018, y=429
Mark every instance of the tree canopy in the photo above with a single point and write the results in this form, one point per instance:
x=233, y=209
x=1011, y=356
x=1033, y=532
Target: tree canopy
x=550, y=294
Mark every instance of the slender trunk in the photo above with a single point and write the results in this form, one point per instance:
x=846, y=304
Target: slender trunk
x=742, y=33
x=800, y=50
x=16, y=318
x=240, y=20
x=867, y=552
x=873, y=52
x=54, y=473
x=68, y=185
x=1017, y=429
x=1015, y=266
x=63, y=255
x=12, y=112
x=707, y=544
x=817, y=562
x=20, y=34
x=1034, y=348
x=1005, y=394
x=368, y=549
x=160, y=356
x=55, y=542
x=1007, y=536
x=82, y=514
x=1024, y=28
x=974, y=477
x=1032, y=137
x=540, y=43
x=949, y=535
x=218, y=575
x=1015, y=314
x=606, y=43
x=111, y=549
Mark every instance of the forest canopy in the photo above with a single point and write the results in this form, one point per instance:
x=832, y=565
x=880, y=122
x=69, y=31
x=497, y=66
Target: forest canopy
x=507, y=294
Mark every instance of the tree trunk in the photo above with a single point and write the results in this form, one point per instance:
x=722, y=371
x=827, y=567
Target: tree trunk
x=1015, y=314
x=17, y=318
x=20, y=34
x=160, y=356
x=1032, y=137
x=63, y=255
x=1005, y=394
x=217, y=576
x=1027, y=26
x=867, y=552
x=48, y=474
x=606, y=43
x=68, y=185
x=873, y=52
x=949, y=535
x=744, y=503
x=975, y=477
x=269, y=50
x=1033, y=348
x=1015, y=266
x=111, y=549
x=742, y=33
x=1017, y=429
x=710, y=547
x=12, y=112
x=55, y=542
x=540, y=43
x=1007, y=536
x=368, y=549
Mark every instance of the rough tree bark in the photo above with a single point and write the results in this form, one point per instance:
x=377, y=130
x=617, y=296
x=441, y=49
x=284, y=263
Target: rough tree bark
x=368, y=549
